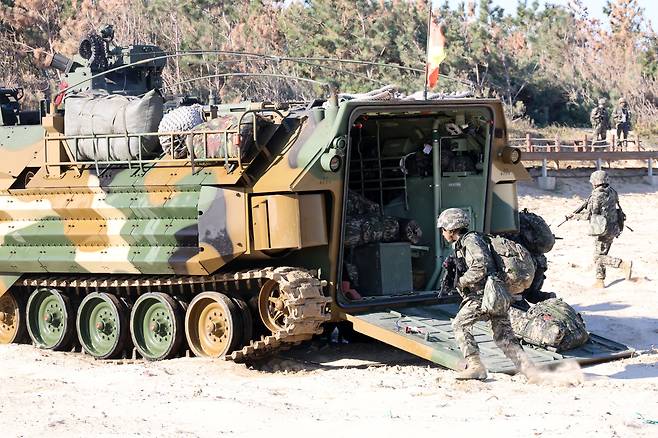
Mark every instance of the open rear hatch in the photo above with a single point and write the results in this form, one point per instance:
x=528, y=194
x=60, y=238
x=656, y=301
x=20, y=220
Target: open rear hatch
x=426, y=331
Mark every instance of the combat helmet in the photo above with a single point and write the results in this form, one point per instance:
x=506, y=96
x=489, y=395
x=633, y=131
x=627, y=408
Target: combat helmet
x=601, y=101
x=453, y=219
x=598, y=177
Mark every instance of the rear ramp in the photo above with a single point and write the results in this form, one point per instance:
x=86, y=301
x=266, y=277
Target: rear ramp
x=426, y=331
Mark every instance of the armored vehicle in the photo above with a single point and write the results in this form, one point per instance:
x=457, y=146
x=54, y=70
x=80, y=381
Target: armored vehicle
x=250, y=235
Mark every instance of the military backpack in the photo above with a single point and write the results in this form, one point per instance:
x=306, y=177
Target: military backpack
x=514, y=263
x=551, y=323
x=535, y=233
x=621, y=216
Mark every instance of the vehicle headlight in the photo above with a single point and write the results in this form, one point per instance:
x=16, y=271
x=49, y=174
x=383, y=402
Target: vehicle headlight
x=510, y=155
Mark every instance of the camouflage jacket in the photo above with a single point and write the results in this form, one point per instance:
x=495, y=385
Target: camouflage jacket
x=622, y=115
x=603, y=201
x=599, y=117
x=474, y=263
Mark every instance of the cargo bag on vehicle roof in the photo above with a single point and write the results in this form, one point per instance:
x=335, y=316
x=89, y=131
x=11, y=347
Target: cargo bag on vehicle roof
x=514, y=263
x=551, y=323
x=535, y=233
x=101, y=114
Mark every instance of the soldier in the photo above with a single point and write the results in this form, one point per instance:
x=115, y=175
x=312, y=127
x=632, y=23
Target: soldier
x=622, y=116
x=604, y=201
x=600, y=121
x=474, y=263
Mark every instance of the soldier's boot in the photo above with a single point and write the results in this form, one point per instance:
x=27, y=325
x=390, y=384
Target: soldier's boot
x=627, y=267
x=475, y=369
x=522, y=362
x=599, y=283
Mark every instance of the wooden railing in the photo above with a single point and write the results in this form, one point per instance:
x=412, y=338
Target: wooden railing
x=584, y=144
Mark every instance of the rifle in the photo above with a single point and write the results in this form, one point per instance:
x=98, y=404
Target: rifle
x=576, y=211
x=566, y=219
x=449, y=277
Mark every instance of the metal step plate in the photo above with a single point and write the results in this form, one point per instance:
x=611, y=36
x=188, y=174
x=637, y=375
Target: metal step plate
x=426, y=331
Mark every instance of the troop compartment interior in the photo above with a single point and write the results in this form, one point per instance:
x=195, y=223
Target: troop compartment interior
x=403, y=167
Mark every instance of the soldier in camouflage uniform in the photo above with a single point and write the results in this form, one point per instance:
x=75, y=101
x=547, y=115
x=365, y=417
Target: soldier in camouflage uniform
x=603, y=201
x=600, y=121
x=622, y=117
x=474, y=263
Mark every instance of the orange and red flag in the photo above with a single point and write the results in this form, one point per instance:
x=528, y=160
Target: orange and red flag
x=435, y=52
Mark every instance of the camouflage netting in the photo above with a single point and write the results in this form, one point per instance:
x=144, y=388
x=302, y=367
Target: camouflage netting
x=551, y=323
x=89, y=114
x=181, y=119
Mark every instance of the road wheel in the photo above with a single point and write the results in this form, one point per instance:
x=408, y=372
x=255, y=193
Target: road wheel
x=272, y=306
x=156, y=326
x=102, y=325
x=213, y=325
x=12, y=319
x=50, y=319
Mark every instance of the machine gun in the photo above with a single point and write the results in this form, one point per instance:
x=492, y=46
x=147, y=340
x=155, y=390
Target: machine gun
x=98, y=53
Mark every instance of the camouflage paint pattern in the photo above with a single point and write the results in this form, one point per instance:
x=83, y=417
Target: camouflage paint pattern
x=168, y=218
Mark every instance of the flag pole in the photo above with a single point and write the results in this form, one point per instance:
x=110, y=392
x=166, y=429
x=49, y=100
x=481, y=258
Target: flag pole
x=427, y=46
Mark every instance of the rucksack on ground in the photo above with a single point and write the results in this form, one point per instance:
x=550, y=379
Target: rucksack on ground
x=535, y=233
x=551, y=323
x=514, y=264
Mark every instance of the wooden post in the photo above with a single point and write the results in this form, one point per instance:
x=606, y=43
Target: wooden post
x=585, y=143
x=528, y=142
x=613, y=146
x=557, y=143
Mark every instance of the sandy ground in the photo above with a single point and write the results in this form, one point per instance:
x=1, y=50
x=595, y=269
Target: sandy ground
x=368, y=388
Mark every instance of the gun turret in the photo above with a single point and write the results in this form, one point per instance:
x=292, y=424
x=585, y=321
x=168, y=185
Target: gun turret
x=97, y=54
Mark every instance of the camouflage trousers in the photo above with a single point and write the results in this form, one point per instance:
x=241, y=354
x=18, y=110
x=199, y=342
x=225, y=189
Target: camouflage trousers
x=468, y=315
x=622, y=129
x=601, y=258
x=600, y=132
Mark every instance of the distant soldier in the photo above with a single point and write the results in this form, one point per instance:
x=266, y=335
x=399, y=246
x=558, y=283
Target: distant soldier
x=606, y=218
x=600, y=121
x=622, y=116
x=474, y=263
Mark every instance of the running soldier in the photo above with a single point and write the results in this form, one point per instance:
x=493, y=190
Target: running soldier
x=600, y=121
x=603, y=202
x=474, y=263
x=622, y=117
